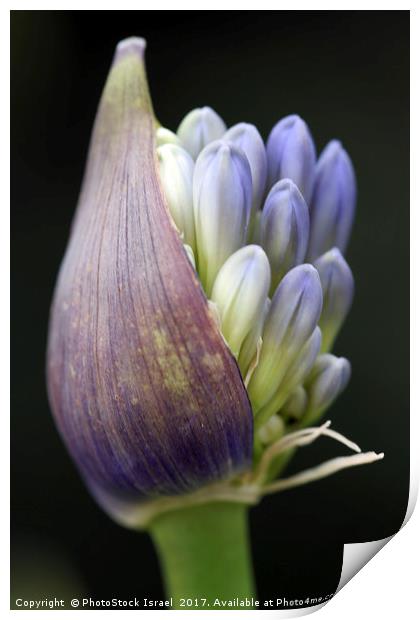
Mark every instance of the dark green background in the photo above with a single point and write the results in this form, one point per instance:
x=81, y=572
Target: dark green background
x=347, y=74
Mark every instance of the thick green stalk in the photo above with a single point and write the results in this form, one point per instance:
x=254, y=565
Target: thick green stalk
x=205, y=555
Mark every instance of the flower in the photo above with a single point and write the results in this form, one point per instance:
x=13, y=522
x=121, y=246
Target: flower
x=240, y=293
x=333, y=201
x=293, y=316
x=222, y=195
x=328, y=378
x=291, y=154
x=200, y=127
x=183, y=359
x=338, y=290
x=176, y=169
x=284, y=228
x=247, y=138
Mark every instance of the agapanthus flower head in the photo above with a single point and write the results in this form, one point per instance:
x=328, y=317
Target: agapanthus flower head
x=185, y=338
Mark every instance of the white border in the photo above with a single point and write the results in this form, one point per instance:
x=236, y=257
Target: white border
x=389, y=583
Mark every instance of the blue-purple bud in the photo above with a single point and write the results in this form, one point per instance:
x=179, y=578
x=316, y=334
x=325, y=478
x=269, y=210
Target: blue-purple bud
x=338, y=290
x=147, y=396
x=291, y=154
x=284, y=228
x=296, y=373
x=222, y=195
x=301, y=366
x=292, y=318
x=333, y=201
x=247, y=138
x=198, y=128
x=328, y=378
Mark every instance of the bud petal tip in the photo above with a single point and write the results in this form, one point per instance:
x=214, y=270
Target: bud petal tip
x=333, y=201
x=130, y=45
x=291, y=154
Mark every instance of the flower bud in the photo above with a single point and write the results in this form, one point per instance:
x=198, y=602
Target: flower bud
x=291, y=154
x=250, y=346
x=222, y=194
x=338, y=289
x=333, y=201
x=176, y=169
x=292, y=318
x=296, y=373
x=240, y=291
x=166, y=136
x=247, y=138
x=284, y=229
x=301, y=366
x=147, y=396
x=272, y=430
x=198, y=128
x=328, y=378
x=296, y=404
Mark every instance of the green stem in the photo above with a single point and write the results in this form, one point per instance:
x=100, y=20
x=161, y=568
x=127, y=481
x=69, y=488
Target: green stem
x=204, y=554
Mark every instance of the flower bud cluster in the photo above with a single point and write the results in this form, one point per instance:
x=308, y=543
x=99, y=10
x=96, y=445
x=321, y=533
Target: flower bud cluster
x=156, y=408
x=266, y=227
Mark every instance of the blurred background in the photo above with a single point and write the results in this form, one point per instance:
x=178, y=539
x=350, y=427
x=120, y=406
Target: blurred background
x=347, y=74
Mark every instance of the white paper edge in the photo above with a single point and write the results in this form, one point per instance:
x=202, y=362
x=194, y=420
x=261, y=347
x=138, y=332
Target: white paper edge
x=354, y=553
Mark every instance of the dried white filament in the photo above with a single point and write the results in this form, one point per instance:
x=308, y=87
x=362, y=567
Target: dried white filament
x=298, y=439
x=322, y=471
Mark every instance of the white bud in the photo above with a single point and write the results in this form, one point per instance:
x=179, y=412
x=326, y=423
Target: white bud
x=222, y=193
x=176, y=174
x=272, y=430
x=296, y=404
x=198, y=128
x=166, y=136
x=252, y=344
x=240, y=292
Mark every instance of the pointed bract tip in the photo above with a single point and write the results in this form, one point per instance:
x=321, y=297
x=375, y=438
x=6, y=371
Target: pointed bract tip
x=131, y=45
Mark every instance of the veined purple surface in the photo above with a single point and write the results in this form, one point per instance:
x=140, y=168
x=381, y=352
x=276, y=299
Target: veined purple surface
x=146, y=395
